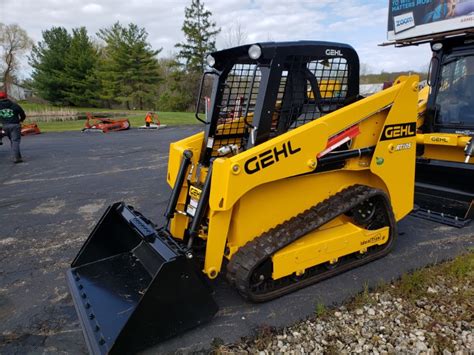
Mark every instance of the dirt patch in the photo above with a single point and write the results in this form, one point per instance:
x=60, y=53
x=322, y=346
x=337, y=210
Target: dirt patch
x=90, y=210
x=50, y=207
x=7, y=241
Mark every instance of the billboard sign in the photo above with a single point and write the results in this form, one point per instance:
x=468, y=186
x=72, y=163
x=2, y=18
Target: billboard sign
x=409, y=19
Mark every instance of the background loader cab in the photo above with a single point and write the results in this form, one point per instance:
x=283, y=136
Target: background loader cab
x=445, y=170
x=450, y=106
x=445, y=144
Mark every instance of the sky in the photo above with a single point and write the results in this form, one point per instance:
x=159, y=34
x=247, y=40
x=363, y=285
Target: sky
x=360, y=23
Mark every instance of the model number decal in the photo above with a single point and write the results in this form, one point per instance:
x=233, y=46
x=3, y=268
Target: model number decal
x=376, y=238
x=396, y=131
x=404, y=146
x=269, y=157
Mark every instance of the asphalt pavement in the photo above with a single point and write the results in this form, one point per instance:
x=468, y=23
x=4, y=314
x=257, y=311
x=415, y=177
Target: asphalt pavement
x=50, y=203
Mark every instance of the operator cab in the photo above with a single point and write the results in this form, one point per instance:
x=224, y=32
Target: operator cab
x=450, y=107
x=443, y=185
x=263, y=90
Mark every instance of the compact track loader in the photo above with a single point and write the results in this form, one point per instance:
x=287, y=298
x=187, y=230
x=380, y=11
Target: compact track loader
x=445, y=167
x=444, y=189
x=294, y=179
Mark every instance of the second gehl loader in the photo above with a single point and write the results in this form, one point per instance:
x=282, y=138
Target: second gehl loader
x=295, y=178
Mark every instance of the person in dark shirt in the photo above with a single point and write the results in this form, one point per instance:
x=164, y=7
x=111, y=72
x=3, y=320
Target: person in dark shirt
x=11, y=116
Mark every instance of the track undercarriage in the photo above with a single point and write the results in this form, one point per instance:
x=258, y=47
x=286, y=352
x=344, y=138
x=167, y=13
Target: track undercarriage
x=250, y=268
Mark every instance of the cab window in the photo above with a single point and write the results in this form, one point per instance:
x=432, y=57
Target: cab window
x=455, y=98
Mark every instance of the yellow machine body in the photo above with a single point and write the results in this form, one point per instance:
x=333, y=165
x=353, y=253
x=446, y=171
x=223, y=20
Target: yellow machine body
x=288, y=186
x=325, y=245
x=444, y=146
x=437, y=145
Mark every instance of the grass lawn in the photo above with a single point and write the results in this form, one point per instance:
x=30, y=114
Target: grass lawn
x=29, y=106
x=137, y=118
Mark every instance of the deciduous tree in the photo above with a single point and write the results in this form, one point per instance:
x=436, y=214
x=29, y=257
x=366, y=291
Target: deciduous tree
x=235, y=36
x=177, y=92
x=14, y=42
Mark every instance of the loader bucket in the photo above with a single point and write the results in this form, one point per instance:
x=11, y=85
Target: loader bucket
x=133, y=286
x=444, y=192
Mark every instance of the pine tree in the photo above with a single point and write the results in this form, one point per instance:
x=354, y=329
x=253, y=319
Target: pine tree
x=109, y=69
x=129, y=69
x=200, y=36
x=48, y=62
x=79, y=76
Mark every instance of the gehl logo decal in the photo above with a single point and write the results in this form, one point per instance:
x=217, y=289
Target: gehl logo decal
x=395, y=131
x=269, y=157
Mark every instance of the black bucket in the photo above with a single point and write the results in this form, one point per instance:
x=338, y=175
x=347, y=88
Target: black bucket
x=133, y=286
x=444, y=192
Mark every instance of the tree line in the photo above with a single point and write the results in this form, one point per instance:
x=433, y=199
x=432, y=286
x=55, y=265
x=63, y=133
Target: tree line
x=117, y=67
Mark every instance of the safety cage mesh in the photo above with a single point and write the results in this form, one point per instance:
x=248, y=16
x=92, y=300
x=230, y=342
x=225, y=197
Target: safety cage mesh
x=309, y=89
x=237, y=106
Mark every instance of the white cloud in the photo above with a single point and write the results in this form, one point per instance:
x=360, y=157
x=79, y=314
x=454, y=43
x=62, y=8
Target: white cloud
x=361, y=23
x=92, y=9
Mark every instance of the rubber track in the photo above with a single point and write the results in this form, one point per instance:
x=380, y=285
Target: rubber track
x=255, y=252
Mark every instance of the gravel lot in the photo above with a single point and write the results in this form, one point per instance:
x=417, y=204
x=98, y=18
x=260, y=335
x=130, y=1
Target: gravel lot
x=431, y=311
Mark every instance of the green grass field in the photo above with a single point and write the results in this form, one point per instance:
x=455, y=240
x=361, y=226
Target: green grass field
x=137, y=118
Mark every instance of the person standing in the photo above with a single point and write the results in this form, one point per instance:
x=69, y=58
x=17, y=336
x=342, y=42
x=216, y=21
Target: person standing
x=11, y=116
x=148, y=119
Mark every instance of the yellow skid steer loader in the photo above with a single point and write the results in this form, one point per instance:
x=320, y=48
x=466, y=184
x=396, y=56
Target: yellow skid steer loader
x=294, y=179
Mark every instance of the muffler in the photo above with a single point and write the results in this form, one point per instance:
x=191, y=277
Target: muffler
x=133, y=286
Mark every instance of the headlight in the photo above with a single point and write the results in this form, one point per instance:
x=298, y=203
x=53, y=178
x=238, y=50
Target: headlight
x=437, y=46
x=255, y=51
x=210, y=60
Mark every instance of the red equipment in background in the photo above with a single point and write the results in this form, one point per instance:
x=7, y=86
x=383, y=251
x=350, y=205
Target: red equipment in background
x=152, y=122
x=29, y=129
x=26, y=130
x=105, y=124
